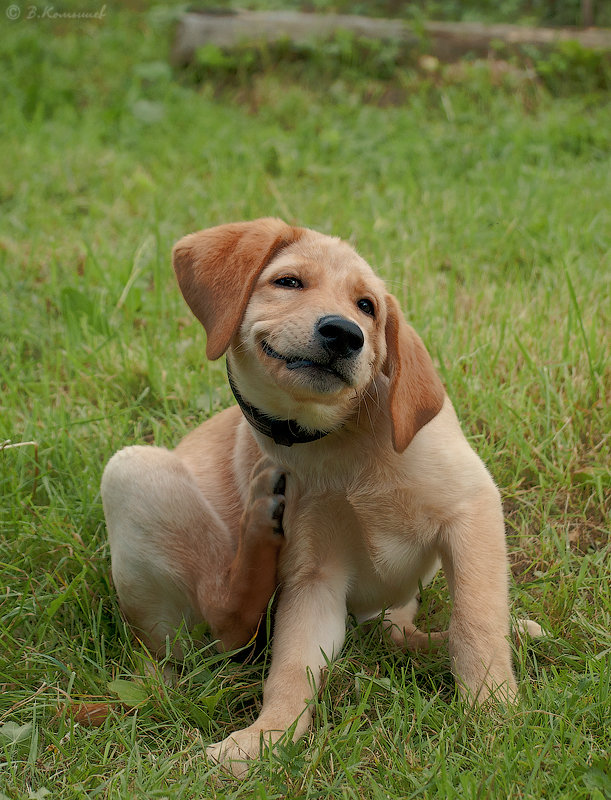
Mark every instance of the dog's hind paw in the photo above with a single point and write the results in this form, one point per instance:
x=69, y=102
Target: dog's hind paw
x=266, y=502
x=528, y=627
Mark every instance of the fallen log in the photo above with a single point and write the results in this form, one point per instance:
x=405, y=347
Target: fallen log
x=447, y=41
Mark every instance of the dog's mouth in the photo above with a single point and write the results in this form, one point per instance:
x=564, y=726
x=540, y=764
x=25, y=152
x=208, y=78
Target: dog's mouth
x=298, y=363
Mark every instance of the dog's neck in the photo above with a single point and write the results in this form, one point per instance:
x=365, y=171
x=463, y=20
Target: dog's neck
x=285, y=432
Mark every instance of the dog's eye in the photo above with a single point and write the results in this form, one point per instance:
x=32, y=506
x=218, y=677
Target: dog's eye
x=366, y=306
x=289, y=282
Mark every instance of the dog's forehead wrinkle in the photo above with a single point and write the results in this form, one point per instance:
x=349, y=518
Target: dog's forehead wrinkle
x=335, y=255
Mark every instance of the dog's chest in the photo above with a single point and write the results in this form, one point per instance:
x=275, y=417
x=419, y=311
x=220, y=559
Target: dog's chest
x=396, y=550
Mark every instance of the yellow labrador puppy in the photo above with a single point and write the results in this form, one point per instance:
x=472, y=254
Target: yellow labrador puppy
x=342, y=419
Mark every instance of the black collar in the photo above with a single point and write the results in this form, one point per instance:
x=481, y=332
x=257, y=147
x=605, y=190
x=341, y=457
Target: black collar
x=286, y=432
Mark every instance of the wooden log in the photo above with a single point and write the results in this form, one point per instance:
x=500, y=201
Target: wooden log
x=447, y=41
x=452, y=40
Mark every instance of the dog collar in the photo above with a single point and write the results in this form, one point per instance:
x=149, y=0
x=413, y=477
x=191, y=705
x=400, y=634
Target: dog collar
x=286, y=432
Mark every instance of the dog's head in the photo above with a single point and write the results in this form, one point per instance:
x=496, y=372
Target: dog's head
x=307, y=325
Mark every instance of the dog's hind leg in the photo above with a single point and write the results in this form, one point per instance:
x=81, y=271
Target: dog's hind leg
x=174, y=560
x=251, y=577
x=162, y=534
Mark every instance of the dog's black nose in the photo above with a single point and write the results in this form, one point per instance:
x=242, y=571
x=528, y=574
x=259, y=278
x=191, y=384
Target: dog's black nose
x=340, y=336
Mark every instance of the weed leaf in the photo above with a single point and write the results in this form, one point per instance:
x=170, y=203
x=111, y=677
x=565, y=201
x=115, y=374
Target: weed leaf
x=15, y=733
x=129, y=692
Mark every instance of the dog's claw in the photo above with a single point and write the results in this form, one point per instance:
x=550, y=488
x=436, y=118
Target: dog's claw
x=277, y=515
x=280, y=486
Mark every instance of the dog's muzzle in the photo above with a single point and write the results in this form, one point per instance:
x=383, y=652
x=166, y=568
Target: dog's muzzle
x=336, y=341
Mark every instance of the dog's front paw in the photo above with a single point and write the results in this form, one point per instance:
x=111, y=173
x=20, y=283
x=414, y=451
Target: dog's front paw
x=488, y=687
x=236, y=751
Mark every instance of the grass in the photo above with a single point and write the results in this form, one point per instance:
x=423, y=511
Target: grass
x=485, y=203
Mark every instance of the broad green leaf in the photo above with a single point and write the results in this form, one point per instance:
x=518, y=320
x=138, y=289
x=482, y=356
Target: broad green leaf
x=16, y=733
x=129, y=692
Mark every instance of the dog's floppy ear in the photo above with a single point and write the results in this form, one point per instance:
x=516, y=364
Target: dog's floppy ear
x=416, y=393
x=217, y=269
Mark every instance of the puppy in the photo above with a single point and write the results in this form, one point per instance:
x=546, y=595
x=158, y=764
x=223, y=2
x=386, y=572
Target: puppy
x=336, y=392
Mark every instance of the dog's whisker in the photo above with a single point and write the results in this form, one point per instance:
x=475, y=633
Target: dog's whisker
x=359, y=403
x=371, y=424
x=375, y=400
x=375, y=386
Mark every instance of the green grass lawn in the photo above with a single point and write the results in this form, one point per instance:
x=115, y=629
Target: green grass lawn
x=486, y=204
